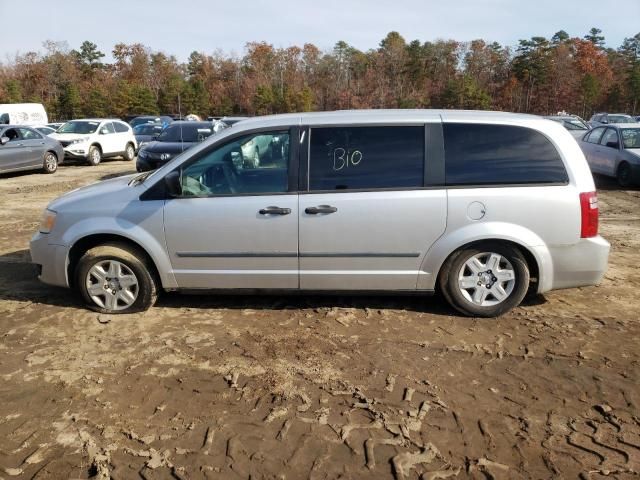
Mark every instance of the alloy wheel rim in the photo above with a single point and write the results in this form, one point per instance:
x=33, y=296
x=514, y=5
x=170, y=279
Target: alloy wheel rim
x=95, y=155
x=112, y=285
x=50, y=161
x=129, y=151
x=486, y=279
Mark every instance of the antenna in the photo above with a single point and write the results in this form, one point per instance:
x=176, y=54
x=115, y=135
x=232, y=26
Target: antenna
x=180, y=117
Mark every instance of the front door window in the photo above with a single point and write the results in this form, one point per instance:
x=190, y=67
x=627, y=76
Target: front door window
x=253, y=164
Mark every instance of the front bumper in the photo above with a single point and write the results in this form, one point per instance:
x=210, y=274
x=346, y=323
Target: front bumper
x=579, y=265
x=51, y=260
x=146, y=163
x=76, y=151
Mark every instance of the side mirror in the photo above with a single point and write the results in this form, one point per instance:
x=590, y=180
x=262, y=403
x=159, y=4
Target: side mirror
x=4, y=140
x=604, y=120
x=615, y=145
x=172, y=182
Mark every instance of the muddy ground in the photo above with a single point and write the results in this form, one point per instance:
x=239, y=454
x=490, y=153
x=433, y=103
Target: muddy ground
x=315, y=387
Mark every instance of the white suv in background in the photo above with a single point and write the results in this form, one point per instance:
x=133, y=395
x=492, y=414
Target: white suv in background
x=96, y=138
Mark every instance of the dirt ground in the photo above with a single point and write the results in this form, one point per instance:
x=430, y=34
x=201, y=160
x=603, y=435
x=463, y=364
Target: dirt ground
x=315, y=387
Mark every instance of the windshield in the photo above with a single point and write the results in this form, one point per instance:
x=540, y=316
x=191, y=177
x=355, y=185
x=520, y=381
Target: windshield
x=79, y=127
x=147, y=129
x=185, y=133
x=630, y=137
x=620, y=119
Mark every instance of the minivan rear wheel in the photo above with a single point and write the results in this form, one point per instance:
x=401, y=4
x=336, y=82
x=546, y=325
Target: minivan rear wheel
x=115, y=278
x=485, y=280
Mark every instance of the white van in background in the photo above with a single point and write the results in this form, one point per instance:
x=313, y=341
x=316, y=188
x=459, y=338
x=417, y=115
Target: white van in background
x=22, y=114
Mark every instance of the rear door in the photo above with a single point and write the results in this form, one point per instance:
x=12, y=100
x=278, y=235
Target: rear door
x=233, y=227
x=122, y=136
x=590, y=146
x=366, y=221
x=34, y=142
x=608, y=152
x=109, y=139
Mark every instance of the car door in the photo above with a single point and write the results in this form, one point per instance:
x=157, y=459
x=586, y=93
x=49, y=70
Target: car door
x=233, y=227
x=590, y=146
x=13, y=154
x=122, y=135
x=108, y=139
x=608, y=152
x=35, y=144
x=366, y=221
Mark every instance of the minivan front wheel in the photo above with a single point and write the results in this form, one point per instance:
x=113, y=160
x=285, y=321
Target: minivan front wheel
x=485, y=280
x=115, y=279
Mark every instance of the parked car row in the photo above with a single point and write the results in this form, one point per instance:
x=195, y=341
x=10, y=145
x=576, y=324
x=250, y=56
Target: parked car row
x=155, y=139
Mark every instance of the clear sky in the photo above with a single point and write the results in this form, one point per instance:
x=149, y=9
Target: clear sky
x=181, y=26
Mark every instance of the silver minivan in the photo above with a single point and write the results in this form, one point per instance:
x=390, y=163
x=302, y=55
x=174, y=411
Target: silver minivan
x=484, y=207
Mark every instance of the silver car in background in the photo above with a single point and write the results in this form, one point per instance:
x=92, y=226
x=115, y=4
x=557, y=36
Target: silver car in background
x=24, y=148
x=614, y=151
x=575, y=125
x=482, y=206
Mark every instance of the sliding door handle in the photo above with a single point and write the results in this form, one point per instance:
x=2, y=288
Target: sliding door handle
x=274, y=211
x=320, y=209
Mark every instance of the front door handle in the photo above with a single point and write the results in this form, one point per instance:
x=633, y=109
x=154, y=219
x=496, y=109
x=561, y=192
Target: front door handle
x=274, y=211
x=320, y=209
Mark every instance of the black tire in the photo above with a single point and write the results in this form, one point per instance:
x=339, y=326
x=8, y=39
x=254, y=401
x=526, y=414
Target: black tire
x=624, y=175
x=50, y=162
x=95, y=155
x=448, y=281
x=129, y=152
x=134, y=260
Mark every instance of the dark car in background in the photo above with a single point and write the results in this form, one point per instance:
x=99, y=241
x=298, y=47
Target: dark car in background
x=163, y=120
x=146, y=133
x=173, y=140
x=24, y=148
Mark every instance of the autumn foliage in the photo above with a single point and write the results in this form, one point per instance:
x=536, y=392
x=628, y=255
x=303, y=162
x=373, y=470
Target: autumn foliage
x=539, y=75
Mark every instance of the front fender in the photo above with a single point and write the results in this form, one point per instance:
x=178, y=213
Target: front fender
x=147, y=240
x=454, y=240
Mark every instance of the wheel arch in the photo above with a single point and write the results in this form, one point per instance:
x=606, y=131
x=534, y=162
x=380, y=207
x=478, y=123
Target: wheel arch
x=532, y=247
x=530, y=258
x=84, y=244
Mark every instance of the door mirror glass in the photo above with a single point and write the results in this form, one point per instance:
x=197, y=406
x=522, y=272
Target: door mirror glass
x=173, y=184
x=4, y=140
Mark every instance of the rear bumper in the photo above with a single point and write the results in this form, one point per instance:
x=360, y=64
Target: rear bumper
x=579, y=265
x=50, y=260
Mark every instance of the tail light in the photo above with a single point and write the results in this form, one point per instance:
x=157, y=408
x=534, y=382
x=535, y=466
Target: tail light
x=589, y=214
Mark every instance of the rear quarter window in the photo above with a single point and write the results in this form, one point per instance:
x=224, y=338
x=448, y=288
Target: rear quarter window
x=499, y=155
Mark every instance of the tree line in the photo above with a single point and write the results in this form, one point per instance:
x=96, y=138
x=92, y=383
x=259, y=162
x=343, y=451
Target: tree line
x=539, y=75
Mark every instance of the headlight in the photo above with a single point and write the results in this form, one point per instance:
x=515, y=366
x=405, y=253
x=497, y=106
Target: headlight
x=142, y=144
x=79, y=140
x=165, y=156
x=48, y=221
x=142, y=154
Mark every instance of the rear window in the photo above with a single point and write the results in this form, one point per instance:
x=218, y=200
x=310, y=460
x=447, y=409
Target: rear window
x=352, y=158
x=499, y=155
